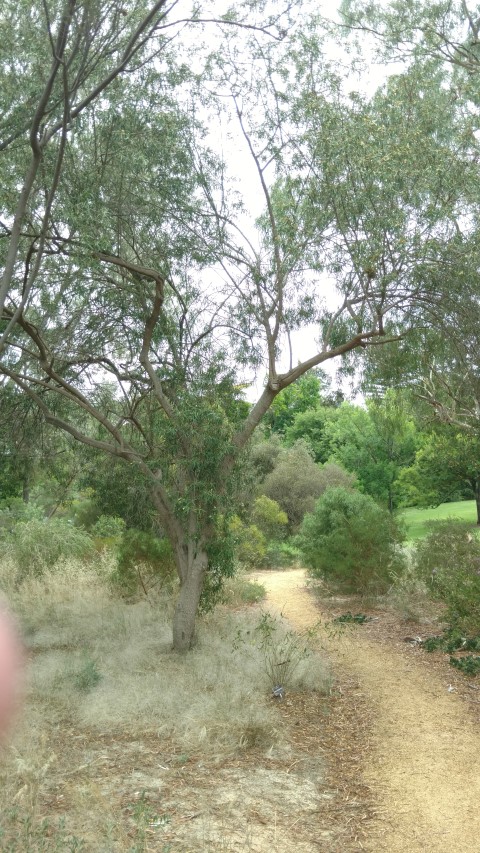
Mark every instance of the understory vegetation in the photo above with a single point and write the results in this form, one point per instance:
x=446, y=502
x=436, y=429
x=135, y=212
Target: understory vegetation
x=101, y=671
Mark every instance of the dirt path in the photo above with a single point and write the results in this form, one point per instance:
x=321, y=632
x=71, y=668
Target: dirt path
x=423, y=759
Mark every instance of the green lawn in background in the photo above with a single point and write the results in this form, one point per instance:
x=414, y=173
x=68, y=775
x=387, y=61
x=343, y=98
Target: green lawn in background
x=415, y=519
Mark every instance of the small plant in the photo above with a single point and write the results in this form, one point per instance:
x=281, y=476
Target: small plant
x=451, y=640
x=356, y=618
x=433, y=644
x=145, y=819
x=283, y=650
x=88, y=676
x=21, y=833
x=470, y=664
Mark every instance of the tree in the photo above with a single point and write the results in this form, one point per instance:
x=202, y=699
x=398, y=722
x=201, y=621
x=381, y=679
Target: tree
x=447, y=467
x=136, y=298
x=375, y=443
x=311, y=426
x=301, y=397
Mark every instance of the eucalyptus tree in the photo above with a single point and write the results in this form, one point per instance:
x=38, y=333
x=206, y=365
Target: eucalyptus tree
x=141, y=297
x=58, y=58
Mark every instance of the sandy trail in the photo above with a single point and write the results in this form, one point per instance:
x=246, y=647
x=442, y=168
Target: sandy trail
x=423, y=758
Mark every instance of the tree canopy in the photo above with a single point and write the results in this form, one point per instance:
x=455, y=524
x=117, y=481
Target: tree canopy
x=137, y=294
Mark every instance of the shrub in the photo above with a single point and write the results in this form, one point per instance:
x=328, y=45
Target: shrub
x=38, y=544
x=295, y=483
x=448, y=560
x=352, y=542
x=250, y=543
x=108, y=527
x=281, y=555
x=270, y=517
x=145, y=562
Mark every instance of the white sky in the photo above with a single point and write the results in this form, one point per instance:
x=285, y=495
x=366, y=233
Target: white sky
x=242, y=166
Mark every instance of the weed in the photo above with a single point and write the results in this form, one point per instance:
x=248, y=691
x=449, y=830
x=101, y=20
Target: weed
x=146, y=820
x=88, y=676
x=21, y=833
x=239, y=590
x=284, y=651
x=356, y=618
x=470, y=664
x=451, y=640
x=433, y=644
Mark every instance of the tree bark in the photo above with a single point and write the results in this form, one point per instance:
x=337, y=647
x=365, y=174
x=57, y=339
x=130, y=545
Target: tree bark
x=191, y=572
x=477, y=498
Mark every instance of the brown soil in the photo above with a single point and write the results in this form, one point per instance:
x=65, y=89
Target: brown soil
x=408, y=736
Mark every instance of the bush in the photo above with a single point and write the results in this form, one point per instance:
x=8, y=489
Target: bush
x=36, y=545
x=448, y=560
x=270, y=517
x=145, y=563
x=295, y=483
x=250, y=543
x=351, y=541
x=281, y=555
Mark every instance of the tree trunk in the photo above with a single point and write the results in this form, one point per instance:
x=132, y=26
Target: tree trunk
x=191, y=573
x=477, y=498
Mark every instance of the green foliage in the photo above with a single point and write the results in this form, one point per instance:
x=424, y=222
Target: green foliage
x=469, y=664
x=311, y=427
x=221, y=564
x=295, y=483
x=37, y=544
x=452, y=640
x=87, y=676
x=297, y=398
x=351, y=542
x=117, y=490
x=352, y=618
x=374, y=444
x=145, y=563
x=269, y=517
x=264, y=456
x=281, y=555
x=449, y=561
x=446, y=468
x=251, y=545
x=108, y=527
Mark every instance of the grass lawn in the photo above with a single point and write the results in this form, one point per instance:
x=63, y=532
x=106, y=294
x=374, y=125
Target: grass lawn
x=416, y=519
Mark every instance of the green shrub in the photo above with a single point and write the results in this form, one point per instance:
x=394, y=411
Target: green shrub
x=470, y=664
x=448, y=560
x=87, y=676
x=108, y=527
x=281, y=555
x=145, y=563
x=37, y=544
x=250, y=543
x=270, y=517
x=351, y=541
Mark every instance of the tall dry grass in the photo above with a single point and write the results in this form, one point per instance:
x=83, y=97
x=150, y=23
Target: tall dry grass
x=100, y=667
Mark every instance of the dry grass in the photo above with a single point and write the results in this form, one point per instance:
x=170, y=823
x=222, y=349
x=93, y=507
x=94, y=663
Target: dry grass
x=107, y=700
